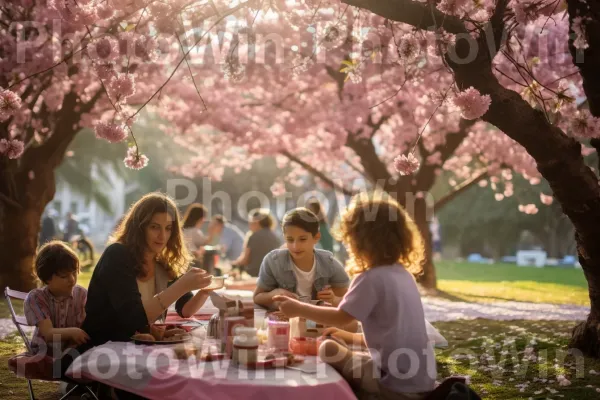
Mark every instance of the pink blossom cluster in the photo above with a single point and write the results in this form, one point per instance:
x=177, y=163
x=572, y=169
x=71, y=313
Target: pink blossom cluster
x=278, y=188
x=10, y=103
x=472, y=104
x=545, y=199
x=584, y=125
x=122, y=86
x=530, y=209
x=134, y=159
x=12, y=148
x=406, y=165
x=111, y=132
x=578, y=27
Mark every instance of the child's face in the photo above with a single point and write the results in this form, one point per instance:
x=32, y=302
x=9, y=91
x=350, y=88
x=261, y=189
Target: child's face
x=299, y=242
x=158, y=232
x=62, y=283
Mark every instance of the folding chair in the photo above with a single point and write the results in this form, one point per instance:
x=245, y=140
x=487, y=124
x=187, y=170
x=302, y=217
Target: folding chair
x=33, y=373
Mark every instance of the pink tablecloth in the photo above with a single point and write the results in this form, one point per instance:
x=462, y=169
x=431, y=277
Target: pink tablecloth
x=154, y=372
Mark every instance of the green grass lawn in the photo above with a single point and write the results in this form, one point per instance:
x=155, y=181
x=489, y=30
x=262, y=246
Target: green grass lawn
x=496, y=282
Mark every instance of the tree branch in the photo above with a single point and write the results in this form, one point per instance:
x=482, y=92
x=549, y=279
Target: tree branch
x=374, y=168
x=460, y=189
x=411, y=12
x=317, y=173
x=425, y=177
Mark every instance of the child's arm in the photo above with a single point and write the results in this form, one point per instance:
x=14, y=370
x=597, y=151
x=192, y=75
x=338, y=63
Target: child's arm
x=264, y=298
x=321, y=315
x=48, y=332
x=347, y=337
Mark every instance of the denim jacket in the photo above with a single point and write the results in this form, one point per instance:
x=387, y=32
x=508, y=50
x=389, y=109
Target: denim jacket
x=277, y=271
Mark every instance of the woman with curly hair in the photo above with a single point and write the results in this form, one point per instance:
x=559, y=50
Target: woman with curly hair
x=138, y=276
x=386, y=250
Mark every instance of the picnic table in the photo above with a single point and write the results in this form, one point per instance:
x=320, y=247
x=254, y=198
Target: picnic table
x=155, y=373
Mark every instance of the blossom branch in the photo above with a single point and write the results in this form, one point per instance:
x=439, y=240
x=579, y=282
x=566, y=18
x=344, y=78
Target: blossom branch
x=460, y=189
x=317, y=173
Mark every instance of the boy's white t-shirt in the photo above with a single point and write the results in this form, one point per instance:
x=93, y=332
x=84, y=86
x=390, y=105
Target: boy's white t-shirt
x=305, y=280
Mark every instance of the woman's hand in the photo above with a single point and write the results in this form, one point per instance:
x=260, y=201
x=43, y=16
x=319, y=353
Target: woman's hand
x=195, y=278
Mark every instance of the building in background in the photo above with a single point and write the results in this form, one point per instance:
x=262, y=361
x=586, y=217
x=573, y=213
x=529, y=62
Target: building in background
x=96, y=220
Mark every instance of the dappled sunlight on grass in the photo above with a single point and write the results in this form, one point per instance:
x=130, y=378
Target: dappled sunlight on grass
x=497, y=282
x=518, y=359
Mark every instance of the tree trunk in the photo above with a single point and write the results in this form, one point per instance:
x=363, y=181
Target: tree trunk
x=586, y=335
x=19, y=230
x=422, y=218
x=27, y=185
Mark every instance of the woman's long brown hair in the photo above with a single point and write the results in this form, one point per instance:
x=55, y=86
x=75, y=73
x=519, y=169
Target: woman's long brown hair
x=131, y=233
x=378, y=231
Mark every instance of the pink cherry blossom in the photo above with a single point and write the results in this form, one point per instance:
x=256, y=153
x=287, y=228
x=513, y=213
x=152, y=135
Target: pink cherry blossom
x=530, y=209
x=13, y=149
x=122, y=86
x=453, y=7
x=408, y=48
x=105, y=12
x=104, y=71
x=545, y=199
x=278, y=188
x=524, y=10
x=472, y=104
x=113, y=133
x=584, y=125
x=10, y=103
x=104, y=49
x=578, y=27
x=134, y=159
x=406, y=165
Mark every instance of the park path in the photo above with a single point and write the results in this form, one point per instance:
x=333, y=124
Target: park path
x=437, y=309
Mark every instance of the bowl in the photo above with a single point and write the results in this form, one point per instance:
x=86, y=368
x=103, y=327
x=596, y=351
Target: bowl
x=217, y=283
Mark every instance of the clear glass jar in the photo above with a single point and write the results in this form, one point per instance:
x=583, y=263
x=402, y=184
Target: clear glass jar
x=245, y=346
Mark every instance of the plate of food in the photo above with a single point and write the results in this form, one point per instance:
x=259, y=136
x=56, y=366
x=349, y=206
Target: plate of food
x=162, y=335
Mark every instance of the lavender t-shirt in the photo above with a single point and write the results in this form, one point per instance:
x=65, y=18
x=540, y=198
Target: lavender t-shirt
x=386, y=301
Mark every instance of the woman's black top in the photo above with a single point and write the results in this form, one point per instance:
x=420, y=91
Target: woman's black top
x=114, y=310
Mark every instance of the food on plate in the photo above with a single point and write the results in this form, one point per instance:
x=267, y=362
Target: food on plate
x=144, y=336
x=158, y=331
x=172, y=332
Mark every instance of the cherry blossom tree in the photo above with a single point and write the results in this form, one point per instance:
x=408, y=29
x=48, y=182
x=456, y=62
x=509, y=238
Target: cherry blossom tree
x=342, y=122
